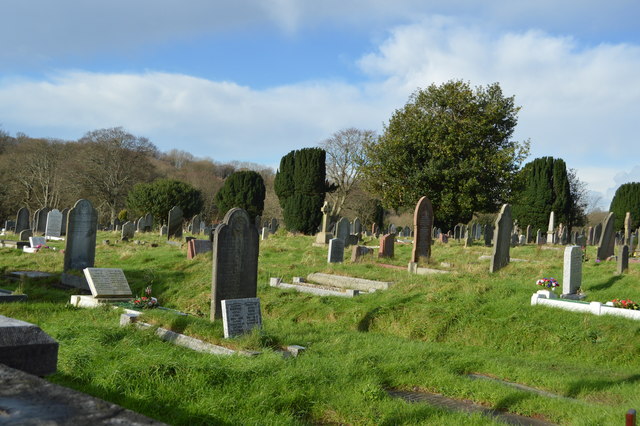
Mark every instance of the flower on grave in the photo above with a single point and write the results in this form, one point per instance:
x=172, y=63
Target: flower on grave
x=147, y=291
x=146, y=302
x=548, y=283
x=597, y=260
x=625, y=304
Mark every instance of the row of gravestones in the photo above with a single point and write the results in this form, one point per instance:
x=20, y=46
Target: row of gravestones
x=46, y=221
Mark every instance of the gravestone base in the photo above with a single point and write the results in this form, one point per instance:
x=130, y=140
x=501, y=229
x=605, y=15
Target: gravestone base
x=413, y=268
x=74, y=281
x=574, y=296
x=323, y=238
x=86, y=301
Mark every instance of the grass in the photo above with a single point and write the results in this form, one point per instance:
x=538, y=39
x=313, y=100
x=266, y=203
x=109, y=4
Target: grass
x=426, y=333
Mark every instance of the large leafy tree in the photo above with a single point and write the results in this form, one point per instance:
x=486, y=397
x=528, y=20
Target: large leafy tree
x=546, y=186
x=301, y=186
x=626, y=199
x=451, y=143
x=244, y=189
x=159, y=196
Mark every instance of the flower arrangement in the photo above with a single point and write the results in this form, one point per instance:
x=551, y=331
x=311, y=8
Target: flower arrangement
x=146, y=302
x=625, y=304
x=548, y=283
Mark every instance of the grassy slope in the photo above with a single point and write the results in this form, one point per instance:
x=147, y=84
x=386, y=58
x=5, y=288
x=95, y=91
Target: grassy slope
x=427, y=332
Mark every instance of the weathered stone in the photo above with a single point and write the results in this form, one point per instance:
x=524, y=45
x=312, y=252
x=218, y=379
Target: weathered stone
x=25, y=234
x=528, y=235
x=606, y=244
x=82, y=225
x=456, y=232
x=627, y=228
x=358, y=252
x=597, y=233
x=551, y=229
x=53, y=227
x=107, y=282
x=539, y=238
x=324, y=235
x=22, y=220
x=501, y=236
x=265, y=233
x=239, y=316
x=128, y=230
x=422, y=224
x=357, y=226
x=273, y=225
x=196, y=222
x=335, y=254
x=26, y=347
x=387, y=243
x=37, y=241
x=196, y=247
x=572, y=270
x=40, y=220
x=235, y=260
x=163, y=230
x=174, y=227
x=343, y=230
x=623, y=260
x=348, y=282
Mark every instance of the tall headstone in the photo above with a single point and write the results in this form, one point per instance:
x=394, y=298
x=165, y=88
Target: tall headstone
x=336, y=251
x=265, y=233
x=82, y=224
x=195, y=224
x=25, y=234
x=324, y=235
x=488, y=235
x=539, y=238
x=456, y=232
x=607, y=241
x=422, y=225
x=174, y=227
x=148, y=222
x=357, y=226
x=572, y=270
x=501, y=239
x=40, y=220
x=597, y=233
x=551, y=229
x=273, y=226
x=387, y=242
x=623, y=259
x=235, y=260
x=343, y=230
x=528, y=235
x=627, y=228
x=590, y=236
x=54, y=224
x=22, y=220
x=128, y=230
x=65, y=215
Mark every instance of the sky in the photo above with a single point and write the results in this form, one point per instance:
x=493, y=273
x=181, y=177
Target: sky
x=251, y=80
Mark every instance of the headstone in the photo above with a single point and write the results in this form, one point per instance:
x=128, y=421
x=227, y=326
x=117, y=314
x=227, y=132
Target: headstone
x=564, y=234
x=627, y=228
x=514, y=240
x=607, y=240
x=488, y=235
x=342, y=230
x=406, y=231
x=422, y=224
x=117, y=224
x=391, y=229
x=572, y=270
x=623, y=259
x=265, y=233
x=539, y=238
x=324, y=235
x=140, y=224
x=128, y=230
x=235, y=260
x=196, y=247
x=82, y=225
x=25, y=234
x=358, y=252
x=174, y=227
x=37, y=241
x=240, y=316
x=107, y=282
x=374, y=229
x=26, y=347
x=443, y=238
x=195, y=224
x=10, y=225
x=273, y=226
x=522, y=240
x=590, y=236
x=22, y=220
x=456, y=232
x=387, y=243
x=163, y=230
x=335, y=253
x=40, y=220
x=501, y=235
x=148, y=222
x=528, y=235
x=357, y=226
x=65, y=215
x=54, y=224
x=597, y=233
x=551, y=229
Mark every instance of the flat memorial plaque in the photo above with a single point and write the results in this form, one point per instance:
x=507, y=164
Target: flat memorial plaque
x=107, y=282
x=37, y=241
x=239, y=316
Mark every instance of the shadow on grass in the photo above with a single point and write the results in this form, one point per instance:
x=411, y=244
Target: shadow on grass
x=157, y=408
x=365, y=323
x=611, y=281
x=598, y=385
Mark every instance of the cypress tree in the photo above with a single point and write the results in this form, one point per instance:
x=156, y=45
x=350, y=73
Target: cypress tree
x=244, y=189
x=626, y=199
x=300, y=186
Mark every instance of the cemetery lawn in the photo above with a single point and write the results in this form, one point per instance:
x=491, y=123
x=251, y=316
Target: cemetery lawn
x=426, y=333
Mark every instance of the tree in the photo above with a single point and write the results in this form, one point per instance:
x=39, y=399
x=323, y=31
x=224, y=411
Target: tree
x=244, y=189
x=546, y=186
x=451, y=143
x=113, y=161
x=159, y=196
x=626, y=199
x=300, y=186
x=345, y=152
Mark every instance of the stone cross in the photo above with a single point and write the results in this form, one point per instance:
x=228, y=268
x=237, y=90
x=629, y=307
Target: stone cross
x=82, y=225
x=174, y=227
x=235, y=260
x=501, y=239
x=607, y=241
x=422, y=225
x=572, y=270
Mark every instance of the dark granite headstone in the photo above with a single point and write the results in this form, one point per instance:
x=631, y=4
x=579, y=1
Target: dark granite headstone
x=501, y=239
x=606, y=244
x=65, y=215
x=335, y=254
x=54, y=224
x=623, y=259
x=422, y=224
x=235, y=260
x=240, y=316
x=488, y=235
x=128, y=230
x=22, y=220
x=40, y=220
x=343, y=230
x=597, y=233
x=26, y=347
x=25, y=234
x=174, y=226
x=82, y=225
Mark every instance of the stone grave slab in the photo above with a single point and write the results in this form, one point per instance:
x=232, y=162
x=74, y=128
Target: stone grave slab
x=7, y=296
x=107, y=282
x=24, y=346
x=348, y=282
x=239, y=316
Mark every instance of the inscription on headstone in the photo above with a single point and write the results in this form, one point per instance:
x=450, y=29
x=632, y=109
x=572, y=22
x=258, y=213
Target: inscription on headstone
x=422, y=224
x=572, y=271
x=82, y=224
x=239, y=316
x=107, y=282
x=54, y=224
x=342, y=230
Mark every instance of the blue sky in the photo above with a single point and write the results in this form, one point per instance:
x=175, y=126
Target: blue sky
x=251, y=80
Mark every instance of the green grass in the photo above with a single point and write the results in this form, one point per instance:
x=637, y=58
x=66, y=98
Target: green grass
x=426, y=332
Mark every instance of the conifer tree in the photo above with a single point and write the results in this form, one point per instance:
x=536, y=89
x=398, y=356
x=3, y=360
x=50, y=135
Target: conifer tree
x=244, y=189
x=626, y=199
